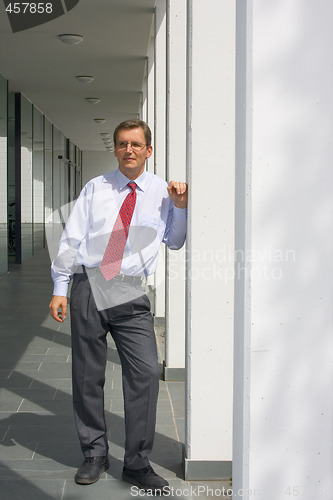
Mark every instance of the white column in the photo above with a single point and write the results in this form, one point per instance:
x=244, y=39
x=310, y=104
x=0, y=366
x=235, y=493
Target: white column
x=242, y=313
x=159, y=145
x=143, y=107
x=288, y=324
x=150, y=119
x=174, y=368
x=210, y=290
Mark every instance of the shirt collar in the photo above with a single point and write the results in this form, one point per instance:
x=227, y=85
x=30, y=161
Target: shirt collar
x=123, y=180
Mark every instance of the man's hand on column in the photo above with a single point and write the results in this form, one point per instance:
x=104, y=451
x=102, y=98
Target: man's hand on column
x=178, y=193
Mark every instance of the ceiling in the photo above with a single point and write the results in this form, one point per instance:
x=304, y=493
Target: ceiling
x=115, y=42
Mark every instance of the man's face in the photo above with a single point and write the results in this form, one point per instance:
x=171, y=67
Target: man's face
x=131, y=160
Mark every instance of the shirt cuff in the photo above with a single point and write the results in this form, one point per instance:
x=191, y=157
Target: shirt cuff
x=60, y=289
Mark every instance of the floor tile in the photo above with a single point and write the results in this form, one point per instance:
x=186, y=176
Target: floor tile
x=11, y=406
x=38, y=489
x=104, y=488
x=15, y=451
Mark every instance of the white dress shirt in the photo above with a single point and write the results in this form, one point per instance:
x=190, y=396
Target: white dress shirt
x=87, y=232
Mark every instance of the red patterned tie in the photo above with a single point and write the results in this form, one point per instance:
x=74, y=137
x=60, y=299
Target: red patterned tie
x=113, y=255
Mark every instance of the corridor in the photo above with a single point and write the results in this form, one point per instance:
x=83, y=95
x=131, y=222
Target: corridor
x=39, y=450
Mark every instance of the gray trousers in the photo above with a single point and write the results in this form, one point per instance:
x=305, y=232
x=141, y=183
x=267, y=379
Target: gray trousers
x=131, y=326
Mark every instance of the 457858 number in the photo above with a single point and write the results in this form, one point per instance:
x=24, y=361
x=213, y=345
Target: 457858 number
x=29, y=8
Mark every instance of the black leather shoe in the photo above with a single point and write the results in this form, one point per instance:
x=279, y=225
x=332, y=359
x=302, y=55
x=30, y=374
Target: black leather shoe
x=91, y=469
x=146, y=479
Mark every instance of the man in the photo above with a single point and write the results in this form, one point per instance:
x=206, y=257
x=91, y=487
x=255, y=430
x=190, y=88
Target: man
x=110, y=244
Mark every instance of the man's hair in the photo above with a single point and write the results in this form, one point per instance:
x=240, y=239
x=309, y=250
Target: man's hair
x=130, y=124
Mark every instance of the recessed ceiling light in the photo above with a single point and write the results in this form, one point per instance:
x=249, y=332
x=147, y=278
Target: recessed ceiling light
x=109, y=149
x=93, y=100
x=105, y=134
x=85, y=79
x=100, y=121
x=70, y=38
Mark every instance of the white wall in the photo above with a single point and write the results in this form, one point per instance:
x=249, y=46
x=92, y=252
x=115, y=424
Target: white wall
x=288, y=437
x=95, y=163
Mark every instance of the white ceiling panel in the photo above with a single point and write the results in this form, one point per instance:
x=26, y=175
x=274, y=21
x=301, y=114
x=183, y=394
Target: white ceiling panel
x=114, y=49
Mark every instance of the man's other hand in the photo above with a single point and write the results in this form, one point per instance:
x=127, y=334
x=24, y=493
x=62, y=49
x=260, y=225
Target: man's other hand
x=58, y=308
x=178, y=193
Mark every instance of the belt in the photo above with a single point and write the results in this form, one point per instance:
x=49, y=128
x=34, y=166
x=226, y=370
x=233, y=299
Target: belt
x=134, y=280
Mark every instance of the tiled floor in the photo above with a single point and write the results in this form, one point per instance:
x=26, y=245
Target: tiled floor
x=39, y=450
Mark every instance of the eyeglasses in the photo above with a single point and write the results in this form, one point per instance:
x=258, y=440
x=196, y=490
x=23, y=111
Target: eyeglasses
x=136, y=146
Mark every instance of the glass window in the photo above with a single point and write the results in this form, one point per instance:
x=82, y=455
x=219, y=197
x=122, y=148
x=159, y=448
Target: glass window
x=48, y=170
x=38, y=178
x=3, y=177
x=56, y=168
x=72, y=171
x=25, y=179
x=64, y=172
x=71, y=152
x=60, y=170
x=11, y=178
x=78, y=179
